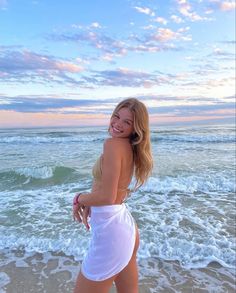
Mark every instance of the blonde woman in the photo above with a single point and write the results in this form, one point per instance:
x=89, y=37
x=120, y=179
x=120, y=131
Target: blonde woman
x=115, y=239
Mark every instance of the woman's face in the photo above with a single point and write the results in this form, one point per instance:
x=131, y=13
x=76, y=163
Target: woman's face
x=122, y=123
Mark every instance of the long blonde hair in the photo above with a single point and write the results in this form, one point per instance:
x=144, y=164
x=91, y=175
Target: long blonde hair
x=140, y=139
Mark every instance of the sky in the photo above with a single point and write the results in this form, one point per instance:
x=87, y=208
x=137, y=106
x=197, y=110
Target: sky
x=68, y=63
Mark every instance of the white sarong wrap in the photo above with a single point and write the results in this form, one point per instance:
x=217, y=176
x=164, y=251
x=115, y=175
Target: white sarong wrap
x=112, y=244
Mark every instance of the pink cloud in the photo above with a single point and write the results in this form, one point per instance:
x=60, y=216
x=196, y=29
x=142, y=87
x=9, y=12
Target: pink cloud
x=69, y=67
x=17, y=119
x=166, y=34
x=186, y=10
x=227, y=5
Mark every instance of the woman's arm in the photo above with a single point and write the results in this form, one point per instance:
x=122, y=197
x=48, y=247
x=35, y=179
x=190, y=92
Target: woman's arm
x=111, y=166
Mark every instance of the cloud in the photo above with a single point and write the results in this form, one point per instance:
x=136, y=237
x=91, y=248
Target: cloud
x=206, y=81
x=161, y=39
x=149, y=27
x=110, y=48
x=193, y=110
x=227, y=5
x=25, y=65
x=161, y=20
x=222, y=55
x=26, y=60
x=230, y=98
x=35, y=104
x=155, y=99
x=186, y=10
x=166, y=35
x=93, y=108
x=153, y=47
x=97, y=40
x=95, y=25
x=145, y=10
x=233, y=42
x=176, y=19
x=223, y=5
x=209, y=11
x=125, y=77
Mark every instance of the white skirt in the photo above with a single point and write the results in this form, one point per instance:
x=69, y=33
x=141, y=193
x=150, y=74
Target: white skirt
x=112, y=244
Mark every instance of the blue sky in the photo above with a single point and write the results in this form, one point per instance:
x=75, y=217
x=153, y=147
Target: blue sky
x=68, y=63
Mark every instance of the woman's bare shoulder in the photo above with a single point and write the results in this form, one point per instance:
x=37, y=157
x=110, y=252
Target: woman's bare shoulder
x=116, y=142
x=116, y=146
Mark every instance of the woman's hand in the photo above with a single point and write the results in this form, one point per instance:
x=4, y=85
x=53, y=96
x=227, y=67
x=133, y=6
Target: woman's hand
x=80, y=212
x=85, y=215
x=77, y=209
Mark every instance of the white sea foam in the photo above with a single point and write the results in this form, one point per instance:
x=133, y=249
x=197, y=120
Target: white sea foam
x=175, y=227
x=43, y=172
x=190, y=183
x=92, y=136
x=188, y=253
x=51, y=140
x=4, y=280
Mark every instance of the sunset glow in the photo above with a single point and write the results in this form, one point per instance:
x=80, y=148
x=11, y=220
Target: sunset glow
x=69, y=63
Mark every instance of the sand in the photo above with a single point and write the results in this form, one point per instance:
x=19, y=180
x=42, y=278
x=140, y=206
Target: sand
x=22, y=272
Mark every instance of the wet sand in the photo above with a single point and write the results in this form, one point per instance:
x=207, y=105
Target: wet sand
x=56, y=273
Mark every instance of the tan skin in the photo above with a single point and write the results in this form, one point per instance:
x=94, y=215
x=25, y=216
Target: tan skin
x=117, y=171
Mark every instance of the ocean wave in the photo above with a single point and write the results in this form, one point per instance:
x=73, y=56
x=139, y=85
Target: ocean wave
x=216, y=183
x=50, y=140
x=29, y=175
x=194, y=138
x=189, y=254
x=43, y=172
x=190, y=184
x=93, y=136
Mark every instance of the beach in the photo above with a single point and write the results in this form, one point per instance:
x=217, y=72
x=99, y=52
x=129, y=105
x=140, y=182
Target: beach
x=185, y=211
x=56, y=273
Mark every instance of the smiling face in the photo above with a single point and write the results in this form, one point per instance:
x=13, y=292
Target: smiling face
x=122, y=123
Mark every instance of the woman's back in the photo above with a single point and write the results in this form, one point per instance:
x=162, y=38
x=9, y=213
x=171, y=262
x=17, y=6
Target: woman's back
x=125, y=151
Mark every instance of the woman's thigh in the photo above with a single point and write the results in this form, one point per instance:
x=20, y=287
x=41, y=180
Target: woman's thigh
x=127, y=279
x=84, y=285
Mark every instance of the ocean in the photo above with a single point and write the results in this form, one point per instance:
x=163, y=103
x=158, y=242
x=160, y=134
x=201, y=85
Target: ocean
x=185, y=212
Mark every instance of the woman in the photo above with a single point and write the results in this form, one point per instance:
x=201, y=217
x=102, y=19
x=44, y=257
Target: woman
x=112, y=253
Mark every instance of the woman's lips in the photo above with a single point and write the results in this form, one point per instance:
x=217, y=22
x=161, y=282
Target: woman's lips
x=116, y=130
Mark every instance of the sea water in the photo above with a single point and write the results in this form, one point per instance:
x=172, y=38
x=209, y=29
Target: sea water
x=185, y=211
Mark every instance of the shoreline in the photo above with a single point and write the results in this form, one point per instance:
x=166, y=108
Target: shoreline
x=51, y=272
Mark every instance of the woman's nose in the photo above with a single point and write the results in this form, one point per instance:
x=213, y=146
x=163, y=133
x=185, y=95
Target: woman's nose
x=118, y=124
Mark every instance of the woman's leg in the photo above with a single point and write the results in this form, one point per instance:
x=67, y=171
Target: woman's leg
x=127, y=279
x=83, y=285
